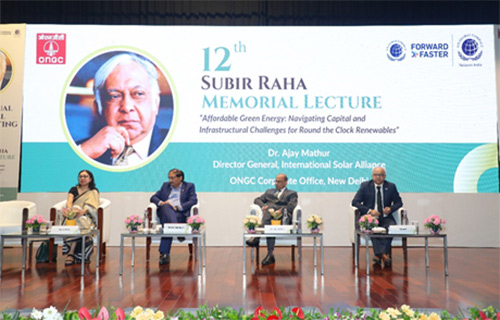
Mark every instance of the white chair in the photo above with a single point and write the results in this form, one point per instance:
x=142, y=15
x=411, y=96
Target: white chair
x=399, y=215
x=153, y=218
x=296, y=220
x=13, y=216
x=103, y=221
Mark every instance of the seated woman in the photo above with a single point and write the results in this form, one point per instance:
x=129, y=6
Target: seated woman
x=84, y=200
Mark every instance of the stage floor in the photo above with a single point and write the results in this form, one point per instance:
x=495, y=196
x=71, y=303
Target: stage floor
x=474, y=280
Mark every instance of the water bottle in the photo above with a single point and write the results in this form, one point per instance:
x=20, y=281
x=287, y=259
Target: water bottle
x=146, y=220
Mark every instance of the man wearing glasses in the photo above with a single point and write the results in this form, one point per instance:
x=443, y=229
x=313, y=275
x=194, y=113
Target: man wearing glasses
x=174, y=201
x=380, y=199
x=280, y=199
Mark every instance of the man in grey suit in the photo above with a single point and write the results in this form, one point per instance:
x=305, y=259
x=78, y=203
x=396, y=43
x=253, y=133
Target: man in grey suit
x=279, y=199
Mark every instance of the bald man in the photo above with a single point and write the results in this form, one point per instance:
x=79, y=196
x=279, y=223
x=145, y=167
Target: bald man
x=279, y=199
x=379, y=198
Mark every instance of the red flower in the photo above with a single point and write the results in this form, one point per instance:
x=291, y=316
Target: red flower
x=278, y=313
x=298, y=312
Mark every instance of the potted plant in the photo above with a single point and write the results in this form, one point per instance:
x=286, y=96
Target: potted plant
x=132, y=222
x=35, y=222
x=367, y=223
x=70, y=215
x=251, y=222
x=434, y=224
x=195, y=222
x=276, y=216
x=314, y=222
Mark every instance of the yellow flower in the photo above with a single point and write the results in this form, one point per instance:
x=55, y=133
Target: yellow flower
x=407, y=310
x=393, y=312
x=423, y=317
x=136, y=312
x=384, y=316
x=434, y=316
x=159, y=315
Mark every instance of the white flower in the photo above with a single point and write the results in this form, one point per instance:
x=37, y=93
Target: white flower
x=49, y=312
x=36, y=314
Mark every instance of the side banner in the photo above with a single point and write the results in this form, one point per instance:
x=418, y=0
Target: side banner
x=12, y=38
x=234, y=106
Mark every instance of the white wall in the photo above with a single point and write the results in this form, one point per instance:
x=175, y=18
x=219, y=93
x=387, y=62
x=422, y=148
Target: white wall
x=473, y=220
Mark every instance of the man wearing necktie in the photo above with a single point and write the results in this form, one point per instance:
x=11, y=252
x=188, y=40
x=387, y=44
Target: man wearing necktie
x=280, y=199
x=174, y=201
x=380, y=199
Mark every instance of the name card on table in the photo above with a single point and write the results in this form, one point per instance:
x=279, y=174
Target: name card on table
x=176, y=228
x=402, y=229
x=278, y=229
x=65, y=230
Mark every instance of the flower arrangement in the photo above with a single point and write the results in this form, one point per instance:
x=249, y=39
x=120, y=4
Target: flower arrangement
x=132, y=222
x=367, y=222
x=35, y=222
x=251, y=222
x=282, y=313
x=275, y=214
x=195, y=222
x=70, y=214
x=434, y=223
x=314, y=222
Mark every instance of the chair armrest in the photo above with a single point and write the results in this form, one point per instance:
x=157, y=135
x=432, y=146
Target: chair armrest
x=355, y=215
x=105, y=208
x=255, y=210
x=55, y=211
x=297, y=217
x=399, y=215
x=194, y=210
x=152, y=216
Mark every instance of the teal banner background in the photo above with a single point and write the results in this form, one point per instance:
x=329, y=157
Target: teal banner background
x=414, y=167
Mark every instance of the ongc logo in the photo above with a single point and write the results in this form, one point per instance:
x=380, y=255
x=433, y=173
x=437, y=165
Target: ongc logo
x=51, y=48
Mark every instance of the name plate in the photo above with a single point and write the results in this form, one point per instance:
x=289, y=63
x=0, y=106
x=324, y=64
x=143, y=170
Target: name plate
x=278, y=229
x=402, y=229
x=176, y=228
x=65, y=230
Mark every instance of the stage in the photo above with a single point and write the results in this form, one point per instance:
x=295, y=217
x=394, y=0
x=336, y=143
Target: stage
x=474, y=280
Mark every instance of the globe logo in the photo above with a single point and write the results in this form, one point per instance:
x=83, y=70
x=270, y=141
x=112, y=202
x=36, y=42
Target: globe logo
x=470, y=47
x=396, y=50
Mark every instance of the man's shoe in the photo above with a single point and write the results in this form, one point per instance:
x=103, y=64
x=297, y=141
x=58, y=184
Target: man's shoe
x=377, y=261
x=253, y=242
x=269, y=259
x=387, y=260
x=164, y=259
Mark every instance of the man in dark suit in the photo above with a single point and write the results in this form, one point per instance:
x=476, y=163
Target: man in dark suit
x=380, y=199
x=127, y=98
x=174, y=201
x=279, y=199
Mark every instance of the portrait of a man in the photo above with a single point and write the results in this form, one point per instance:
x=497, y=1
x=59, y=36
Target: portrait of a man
x=129, y=120
x=5, y=70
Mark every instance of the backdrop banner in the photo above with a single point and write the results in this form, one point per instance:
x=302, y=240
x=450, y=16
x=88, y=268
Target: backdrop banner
x=234, y=106
x=11, y=100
